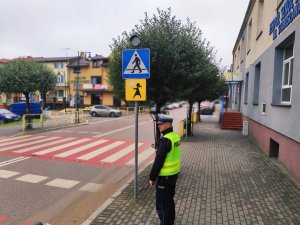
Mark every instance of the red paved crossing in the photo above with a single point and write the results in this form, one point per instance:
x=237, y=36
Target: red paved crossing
x=99, y=151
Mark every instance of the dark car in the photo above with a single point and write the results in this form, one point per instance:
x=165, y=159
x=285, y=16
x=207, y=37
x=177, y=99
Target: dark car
x=206, y=107
x=7, y=116
x=19, y=108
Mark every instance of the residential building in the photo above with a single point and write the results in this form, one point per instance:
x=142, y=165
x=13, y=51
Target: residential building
x=90, y=73
x=266, y=55
x=60, y=97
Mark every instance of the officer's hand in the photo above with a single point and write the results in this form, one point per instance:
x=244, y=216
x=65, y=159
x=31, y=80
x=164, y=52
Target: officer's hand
x=151, y=183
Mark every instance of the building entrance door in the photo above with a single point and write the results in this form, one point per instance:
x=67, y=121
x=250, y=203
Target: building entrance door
x=96, y=99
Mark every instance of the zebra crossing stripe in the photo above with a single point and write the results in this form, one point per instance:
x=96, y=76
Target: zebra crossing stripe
x=62, y=183
x=81, y=148
x=29, y=143
x=100, y=151
x=42, y=146
x=7, y=173
x=142, y=156
x=46, y=151
x=120, y=154
x=14, y=141
x=14, y=138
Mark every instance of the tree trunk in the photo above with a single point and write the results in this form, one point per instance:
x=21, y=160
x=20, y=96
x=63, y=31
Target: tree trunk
x=199, y=114
x=44, y=98
x=189, y=119
x=28, y=118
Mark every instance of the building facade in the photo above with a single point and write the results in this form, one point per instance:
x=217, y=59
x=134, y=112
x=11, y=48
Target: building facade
x=90, y=75
x=266, y=56
x=60, y=96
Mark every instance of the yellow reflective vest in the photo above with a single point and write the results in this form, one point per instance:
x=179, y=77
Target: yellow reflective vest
x=172, y=161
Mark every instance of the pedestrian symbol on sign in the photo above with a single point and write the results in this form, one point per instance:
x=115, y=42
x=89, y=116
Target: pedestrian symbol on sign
x=135, y=64
x=137, y=90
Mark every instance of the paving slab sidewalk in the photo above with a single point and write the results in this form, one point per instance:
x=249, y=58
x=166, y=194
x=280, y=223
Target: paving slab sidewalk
x=225, y=179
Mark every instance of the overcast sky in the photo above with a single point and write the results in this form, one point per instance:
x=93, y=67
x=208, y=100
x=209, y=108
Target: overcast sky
x=47, y=27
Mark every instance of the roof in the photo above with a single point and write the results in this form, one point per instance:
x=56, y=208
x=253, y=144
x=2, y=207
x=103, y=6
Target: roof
x=4, y=60
x=97, y=57
x=53, y=59
x=78, y=62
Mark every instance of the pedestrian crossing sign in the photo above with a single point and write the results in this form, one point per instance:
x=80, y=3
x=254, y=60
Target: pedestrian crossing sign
x=135, y=90
x=136, y=63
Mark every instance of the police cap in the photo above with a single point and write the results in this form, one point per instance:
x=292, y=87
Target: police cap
x=164, y=119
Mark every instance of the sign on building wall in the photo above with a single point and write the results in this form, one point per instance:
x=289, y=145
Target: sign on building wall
x=285, y=16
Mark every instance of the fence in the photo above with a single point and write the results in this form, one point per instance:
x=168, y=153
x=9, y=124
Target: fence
x=130, y=110
x=51, y=119
x=182, y=124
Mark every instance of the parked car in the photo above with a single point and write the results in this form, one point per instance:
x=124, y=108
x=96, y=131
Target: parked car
x=170, y=106
x=7, y=116
x=102, y=110
x=206, y=107
x=163, y=110
x=19, y=108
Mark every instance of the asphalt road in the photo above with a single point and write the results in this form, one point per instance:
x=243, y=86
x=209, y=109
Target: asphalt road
x=62, y=176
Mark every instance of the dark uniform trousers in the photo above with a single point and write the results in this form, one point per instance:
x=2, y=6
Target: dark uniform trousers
x=165, y=206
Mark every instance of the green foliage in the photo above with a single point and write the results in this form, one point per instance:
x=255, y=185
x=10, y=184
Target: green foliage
x=183, y=65
x=23, y=76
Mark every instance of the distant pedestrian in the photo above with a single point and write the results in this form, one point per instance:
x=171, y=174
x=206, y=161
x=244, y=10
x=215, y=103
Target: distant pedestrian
x=137, y=62
x=165, y=170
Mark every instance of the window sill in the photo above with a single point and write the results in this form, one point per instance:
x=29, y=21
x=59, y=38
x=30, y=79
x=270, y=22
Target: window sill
x=258, y=36
x=255, y=103
x=281, y=105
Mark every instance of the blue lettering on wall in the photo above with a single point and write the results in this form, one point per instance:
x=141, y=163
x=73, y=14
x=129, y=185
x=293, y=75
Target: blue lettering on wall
x=289, y=11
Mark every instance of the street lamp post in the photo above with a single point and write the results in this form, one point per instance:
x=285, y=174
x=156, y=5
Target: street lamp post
x=77, y=71
x=135, y=41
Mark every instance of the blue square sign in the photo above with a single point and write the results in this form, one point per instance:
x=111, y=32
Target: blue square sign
x=136, y=63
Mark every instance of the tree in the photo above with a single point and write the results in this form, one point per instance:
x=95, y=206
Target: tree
x=181, y=58
x=46, y=82
x=22, y=76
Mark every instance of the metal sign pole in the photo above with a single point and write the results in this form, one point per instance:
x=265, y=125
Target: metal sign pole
x=136, y=150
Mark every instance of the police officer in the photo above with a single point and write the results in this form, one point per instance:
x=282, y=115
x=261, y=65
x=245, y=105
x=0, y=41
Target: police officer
x=165, y=170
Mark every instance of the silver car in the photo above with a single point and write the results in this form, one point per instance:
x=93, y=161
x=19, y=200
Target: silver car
x=102, y=110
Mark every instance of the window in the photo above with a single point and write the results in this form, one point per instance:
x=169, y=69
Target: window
x=239, y=57
x=283, y=72
x=246, y=89
x=96, y=64
x=60, y=93
x=60, y=78
x=256, y=84
x=263, y=109
x=243, y=47
x=279, y=2
x=96, y=80
x=249, y=36
x=259, y=18
x=287, y=74
x=58, y=65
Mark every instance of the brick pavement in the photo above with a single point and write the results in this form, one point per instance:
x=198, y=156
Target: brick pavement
x=226, y=179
